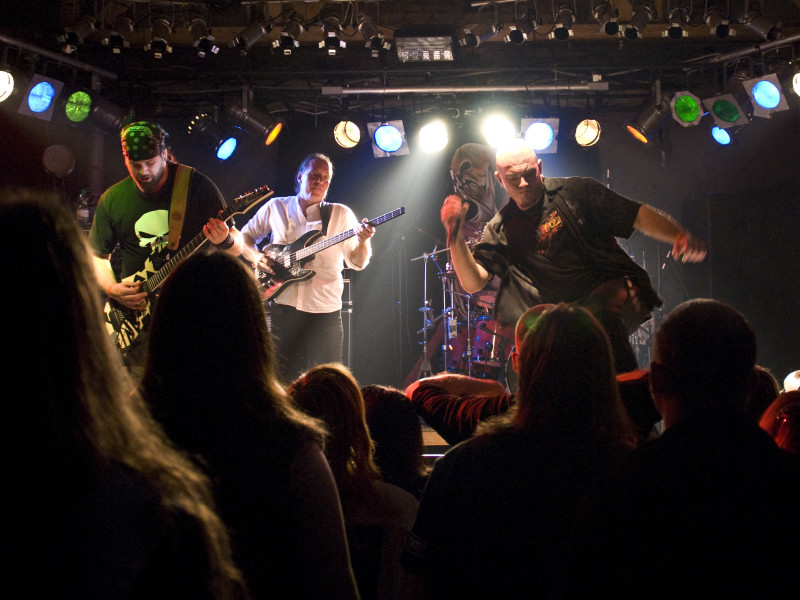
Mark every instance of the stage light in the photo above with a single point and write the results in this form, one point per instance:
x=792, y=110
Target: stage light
x=765, y=95
x=498, y=129
x=648, y=120
x=118, y=38
x=203, y=41
x=756, y=23
x=6, y=85
x=78, y=106
x=160, y=30
x=678, y=20
x=72, y=37
x=522, y=28
x=726, y=111
x=686, y=108
x=388, y=138
x=642, y=15
x=347, y=133
x=204, y=125
x=587, y=133
x=331, y=34
x=263, y=126
x=606, y=17
x=720, y=26
x=289, y=37
x=562, y=23
x=255, y=30
x=39, y=101
x=108, y=116
x=433, y=136
x=472, y=38
x=541, y=134
x=375, y=40
x=721, y=136
x=796, y=83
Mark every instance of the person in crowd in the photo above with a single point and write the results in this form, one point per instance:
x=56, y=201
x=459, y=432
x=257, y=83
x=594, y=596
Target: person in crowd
x=397, y=433
x=209, y=378
x=454, y=404
x=573, y=255
x=378, y=515
x=305, y=313
x=98, y=503
x=134, y=214
x=709, y=509
x=766, y=390
x=781, y=420
x=496, y=513
x=792, y=381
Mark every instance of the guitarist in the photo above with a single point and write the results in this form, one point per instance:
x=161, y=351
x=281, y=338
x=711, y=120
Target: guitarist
x=306, y=318
x=134, y=214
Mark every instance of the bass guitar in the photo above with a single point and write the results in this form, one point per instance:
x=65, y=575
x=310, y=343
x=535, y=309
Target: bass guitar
x=125, y=324
x=288, y=259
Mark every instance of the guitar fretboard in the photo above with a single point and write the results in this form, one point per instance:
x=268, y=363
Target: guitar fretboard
x=340, y=237
x=236, y=206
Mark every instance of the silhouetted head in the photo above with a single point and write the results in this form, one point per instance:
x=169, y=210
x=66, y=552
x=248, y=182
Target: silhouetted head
x=704, y=356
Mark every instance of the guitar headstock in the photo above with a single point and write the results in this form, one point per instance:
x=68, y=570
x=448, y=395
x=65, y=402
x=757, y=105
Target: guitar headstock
x=248, y=200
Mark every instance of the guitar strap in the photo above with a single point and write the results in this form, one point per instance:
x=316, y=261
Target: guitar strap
x=325, y=212
x=177, y=208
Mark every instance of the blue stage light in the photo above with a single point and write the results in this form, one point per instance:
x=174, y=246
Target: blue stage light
x=766, y=94
x=388, y=138
x=720, y=135
x=227, y=148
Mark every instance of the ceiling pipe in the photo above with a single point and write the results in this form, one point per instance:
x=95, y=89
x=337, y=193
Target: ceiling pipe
x=593, y=86
x=757, y=48
x=59, y=58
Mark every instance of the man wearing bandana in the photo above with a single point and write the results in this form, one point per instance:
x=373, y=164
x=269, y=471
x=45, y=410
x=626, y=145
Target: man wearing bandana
x=134, y=213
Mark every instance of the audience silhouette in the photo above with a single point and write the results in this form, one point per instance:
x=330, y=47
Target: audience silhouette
x=378, y=515
x=397, y=433
x=98, y=504
x=209, y=377
x=708, y=509
x=497, y=509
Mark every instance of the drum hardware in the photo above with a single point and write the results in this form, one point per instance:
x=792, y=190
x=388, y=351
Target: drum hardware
x=427, y=320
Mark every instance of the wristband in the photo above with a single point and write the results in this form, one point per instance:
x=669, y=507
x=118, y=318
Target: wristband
x=226, y=243
x=108, y=289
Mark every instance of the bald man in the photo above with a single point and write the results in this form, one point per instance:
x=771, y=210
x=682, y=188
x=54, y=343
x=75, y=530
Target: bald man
x=555, y=241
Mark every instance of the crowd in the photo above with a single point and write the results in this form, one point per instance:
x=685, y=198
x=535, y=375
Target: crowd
x=208, y=478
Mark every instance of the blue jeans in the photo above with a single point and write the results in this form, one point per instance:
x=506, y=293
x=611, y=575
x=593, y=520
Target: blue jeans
x=303, y=340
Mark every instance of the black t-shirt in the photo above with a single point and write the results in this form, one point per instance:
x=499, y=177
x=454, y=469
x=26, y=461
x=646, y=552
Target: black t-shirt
x=140, y=223
x=539, y=259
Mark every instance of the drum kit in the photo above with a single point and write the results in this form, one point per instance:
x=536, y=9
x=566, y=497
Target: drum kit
x=471, y=342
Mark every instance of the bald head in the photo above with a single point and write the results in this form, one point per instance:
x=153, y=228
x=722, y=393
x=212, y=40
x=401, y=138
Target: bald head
x=519, y=171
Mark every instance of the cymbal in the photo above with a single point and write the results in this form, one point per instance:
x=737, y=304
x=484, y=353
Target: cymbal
x=488, y=363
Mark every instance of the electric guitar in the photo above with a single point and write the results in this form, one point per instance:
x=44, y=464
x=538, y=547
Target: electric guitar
x=288, y=259
x=125, y=324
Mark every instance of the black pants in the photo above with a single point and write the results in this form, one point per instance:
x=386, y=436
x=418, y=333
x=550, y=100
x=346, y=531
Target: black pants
x=303, y=339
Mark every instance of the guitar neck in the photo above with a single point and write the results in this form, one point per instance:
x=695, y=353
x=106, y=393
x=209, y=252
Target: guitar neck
x=340, y=237
x=157, y=278
x=239, y=205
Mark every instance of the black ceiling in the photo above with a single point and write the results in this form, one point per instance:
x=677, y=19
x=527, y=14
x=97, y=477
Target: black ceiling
x=590, y=70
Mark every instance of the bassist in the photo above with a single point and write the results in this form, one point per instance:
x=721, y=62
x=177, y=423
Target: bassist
x=306, y=317
x=134, y=213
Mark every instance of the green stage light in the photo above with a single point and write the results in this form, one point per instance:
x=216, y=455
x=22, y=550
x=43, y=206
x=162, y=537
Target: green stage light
x=686, y=109
x=78, y=106
x=726, y=111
